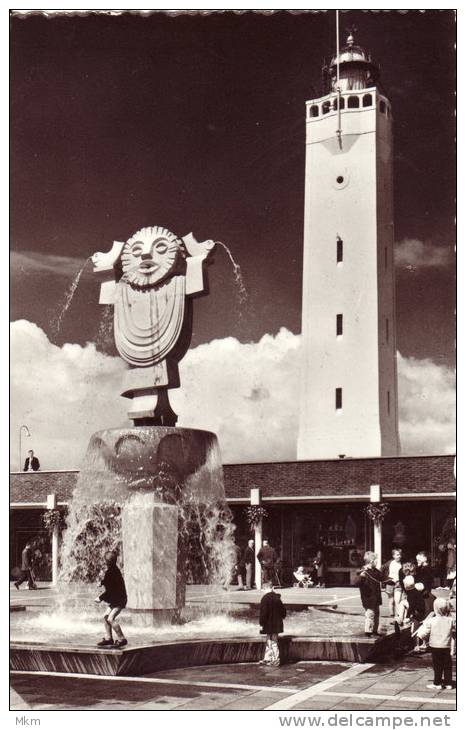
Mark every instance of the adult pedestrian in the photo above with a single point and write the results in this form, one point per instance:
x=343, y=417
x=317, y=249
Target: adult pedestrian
x=393, y=577
x=369, y=582
x=26, y=568
x=267, y=557
x=248, y=562
x=271, y=615
x=32, y=462
x=319, y=565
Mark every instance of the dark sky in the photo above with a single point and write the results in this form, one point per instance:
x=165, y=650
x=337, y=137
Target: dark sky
x=196, y=123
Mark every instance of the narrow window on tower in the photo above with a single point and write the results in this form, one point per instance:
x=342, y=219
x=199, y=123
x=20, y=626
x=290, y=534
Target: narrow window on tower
x=386, y=257
x=338, y=398
x=388, y=402
x=339, y=250
x=339, y=325
x=387, y=330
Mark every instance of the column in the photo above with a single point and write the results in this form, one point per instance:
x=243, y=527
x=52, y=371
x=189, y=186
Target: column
x=52, y=504
x=255, y=499
x=376, y=496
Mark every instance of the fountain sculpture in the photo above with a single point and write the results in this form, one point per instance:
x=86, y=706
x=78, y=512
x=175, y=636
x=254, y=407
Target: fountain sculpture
x=151, y=280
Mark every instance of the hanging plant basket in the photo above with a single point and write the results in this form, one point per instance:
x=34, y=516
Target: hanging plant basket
x=255, y=514
x=376, y=511
x=53, y=518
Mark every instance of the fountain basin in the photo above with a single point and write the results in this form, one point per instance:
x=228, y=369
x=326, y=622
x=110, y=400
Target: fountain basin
x=164, y=655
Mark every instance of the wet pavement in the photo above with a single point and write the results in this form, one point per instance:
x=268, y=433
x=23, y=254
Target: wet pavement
x=399, y=684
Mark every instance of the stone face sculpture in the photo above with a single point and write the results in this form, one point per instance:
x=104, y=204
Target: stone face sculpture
x=150, y=280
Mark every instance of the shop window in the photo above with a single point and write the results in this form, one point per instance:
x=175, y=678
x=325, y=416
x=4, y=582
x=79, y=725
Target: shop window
x=314, y=111
x=325, y=107
x=353, y=102
x=339, y=250
x=338, y=399
x=382, y=106
x=339, y=325
x=367, y=100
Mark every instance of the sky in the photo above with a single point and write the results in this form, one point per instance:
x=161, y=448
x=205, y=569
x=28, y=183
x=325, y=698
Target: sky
x=196, y=123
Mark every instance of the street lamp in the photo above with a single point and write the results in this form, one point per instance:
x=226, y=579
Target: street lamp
x=28, y=433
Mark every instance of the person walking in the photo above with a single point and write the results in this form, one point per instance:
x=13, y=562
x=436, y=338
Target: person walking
x=248, y=562
x=26, y=568
x=392, y=576
x=32, y=462
x=115, y=596
x=271, y=615
x=369, y=582
x=267, y=557
x=440, y=631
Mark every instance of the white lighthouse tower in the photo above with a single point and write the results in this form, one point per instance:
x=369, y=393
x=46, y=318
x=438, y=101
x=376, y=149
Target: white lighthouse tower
x=349, y=384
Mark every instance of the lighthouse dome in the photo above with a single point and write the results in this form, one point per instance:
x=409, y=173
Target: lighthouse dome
x=357, y=69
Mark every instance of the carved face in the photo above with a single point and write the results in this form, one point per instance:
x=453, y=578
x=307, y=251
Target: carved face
x=149, y=256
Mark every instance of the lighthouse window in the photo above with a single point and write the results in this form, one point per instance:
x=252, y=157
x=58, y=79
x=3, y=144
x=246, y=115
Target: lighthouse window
x=367, y=100
x=339, y=250
x=339, y=324
x=338, y=399
x=325, y=107
x=353, y=102
x=314, y=111
x=382, y=106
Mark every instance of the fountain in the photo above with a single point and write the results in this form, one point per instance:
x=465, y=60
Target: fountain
x=157, y=490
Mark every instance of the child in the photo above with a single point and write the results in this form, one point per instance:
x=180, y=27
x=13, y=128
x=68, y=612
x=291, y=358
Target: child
x=115, y=596
x=440, y=630
x=369, y=582
x=272, y=613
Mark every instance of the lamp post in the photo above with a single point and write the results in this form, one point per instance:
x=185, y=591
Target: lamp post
x=28, y=433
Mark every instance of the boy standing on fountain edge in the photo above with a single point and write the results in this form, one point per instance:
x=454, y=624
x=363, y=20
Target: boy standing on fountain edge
x=115, y=596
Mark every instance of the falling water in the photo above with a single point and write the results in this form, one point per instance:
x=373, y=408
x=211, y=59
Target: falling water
x=242, y=292
x=104, y=336
x=56, y=325
x=102, y=491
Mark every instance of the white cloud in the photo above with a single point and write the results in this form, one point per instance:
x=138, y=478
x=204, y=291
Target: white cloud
x=426, y=405
x=246, y=393
x=414, y=254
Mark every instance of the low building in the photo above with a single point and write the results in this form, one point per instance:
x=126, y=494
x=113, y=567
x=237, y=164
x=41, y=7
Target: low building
x=310, y=505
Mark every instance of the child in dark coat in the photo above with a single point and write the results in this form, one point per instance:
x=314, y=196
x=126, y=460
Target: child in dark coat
x=115, y=596
x=369, y=582
x=272, y=613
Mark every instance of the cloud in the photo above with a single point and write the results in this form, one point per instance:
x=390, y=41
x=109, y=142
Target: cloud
x=414, y=254
x=29, y=262
x=247, y=393
x=426, y=407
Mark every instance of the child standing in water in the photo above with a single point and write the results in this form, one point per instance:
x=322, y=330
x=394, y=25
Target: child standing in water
x=115, y=596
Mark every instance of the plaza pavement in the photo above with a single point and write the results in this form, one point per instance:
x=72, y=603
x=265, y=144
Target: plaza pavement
x=393, y=685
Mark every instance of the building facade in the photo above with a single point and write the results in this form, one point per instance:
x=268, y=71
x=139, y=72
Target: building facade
x=310, y=505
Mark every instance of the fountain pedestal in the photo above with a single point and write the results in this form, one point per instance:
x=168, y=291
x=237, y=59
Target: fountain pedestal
x=153, y=558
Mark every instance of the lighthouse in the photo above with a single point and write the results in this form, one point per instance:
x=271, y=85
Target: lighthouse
x=349, y=402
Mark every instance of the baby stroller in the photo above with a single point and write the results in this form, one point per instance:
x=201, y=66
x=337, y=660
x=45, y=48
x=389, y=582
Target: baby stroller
x=303, y=580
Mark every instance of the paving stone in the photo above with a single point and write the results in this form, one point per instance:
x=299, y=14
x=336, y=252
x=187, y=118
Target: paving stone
x=399, y=705
x=254, y=701
x=207, y=702
x=439, y=708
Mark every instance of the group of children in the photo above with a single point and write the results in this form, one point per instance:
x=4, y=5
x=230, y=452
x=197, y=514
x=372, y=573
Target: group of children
x=411, y=603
